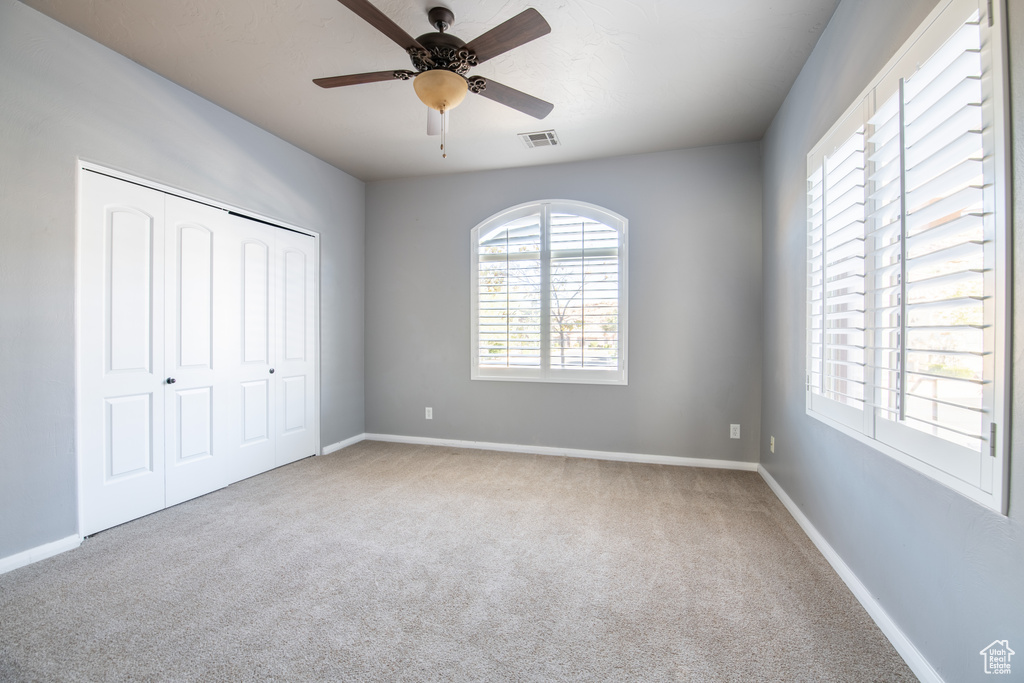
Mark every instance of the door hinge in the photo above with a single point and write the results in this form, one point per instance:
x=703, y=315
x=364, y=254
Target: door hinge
x=992, y=439
x=991, y=20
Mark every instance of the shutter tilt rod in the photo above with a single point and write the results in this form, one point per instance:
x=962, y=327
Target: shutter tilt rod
x=901, y=357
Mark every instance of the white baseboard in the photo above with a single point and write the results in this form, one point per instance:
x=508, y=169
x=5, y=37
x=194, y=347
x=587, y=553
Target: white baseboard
x=569, y=452
x=343, y=444
x=911, y=655
x=40, y=552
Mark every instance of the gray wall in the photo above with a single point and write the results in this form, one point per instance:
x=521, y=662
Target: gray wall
x=694, y=316
x=948, y=571
x=62, y=96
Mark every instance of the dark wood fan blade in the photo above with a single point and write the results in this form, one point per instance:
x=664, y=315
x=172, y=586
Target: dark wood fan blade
x=510, y=97
x=356, y=79
x=526, y=26
x=382, y=23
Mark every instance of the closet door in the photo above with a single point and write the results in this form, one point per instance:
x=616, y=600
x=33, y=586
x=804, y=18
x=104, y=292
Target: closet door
x=295, y=370
x=196, y=352
x=200, y=429
x=252, y=387
x=120, y=365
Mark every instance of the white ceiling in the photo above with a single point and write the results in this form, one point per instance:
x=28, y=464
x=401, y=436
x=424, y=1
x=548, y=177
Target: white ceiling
x=625, y=76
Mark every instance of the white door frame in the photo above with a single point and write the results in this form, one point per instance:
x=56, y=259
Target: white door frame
x=84, y=166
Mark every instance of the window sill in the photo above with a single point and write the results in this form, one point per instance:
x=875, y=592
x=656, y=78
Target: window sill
x=995, y=501
x=616, y=377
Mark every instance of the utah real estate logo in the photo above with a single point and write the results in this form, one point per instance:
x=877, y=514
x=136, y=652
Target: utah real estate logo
x=997, y=657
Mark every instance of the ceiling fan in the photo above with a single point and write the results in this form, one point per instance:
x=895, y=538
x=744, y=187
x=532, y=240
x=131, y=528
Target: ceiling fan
x=441, y=60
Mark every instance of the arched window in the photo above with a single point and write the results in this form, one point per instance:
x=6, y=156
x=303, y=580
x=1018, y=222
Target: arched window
x=549, y=294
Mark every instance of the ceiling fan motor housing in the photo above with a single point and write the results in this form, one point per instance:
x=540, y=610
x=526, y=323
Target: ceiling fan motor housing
x=443, y=51
x=441, y=83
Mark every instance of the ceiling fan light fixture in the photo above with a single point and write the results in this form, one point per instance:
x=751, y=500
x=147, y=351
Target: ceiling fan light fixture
x=440, y=89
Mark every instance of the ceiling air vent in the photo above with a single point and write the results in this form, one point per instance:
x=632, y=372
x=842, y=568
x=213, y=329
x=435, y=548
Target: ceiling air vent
x=544, y=138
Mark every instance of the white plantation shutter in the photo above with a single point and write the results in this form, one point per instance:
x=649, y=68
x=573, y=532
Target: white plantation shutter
x=509, y=286
x=549, y=294
x=836, y=287
x=584, y=291
x=916, y=311
x=815, y=281
x=844, y=301
x=885, y=241
x=936, y=375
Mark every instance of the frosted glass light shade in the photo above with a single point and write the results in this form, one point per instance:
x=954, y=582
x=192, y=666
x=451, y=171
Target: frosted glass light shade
x=440, y=89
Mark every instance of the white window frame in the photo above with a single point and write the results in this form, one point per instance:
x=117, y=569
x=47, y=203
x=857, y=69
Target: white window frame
x=545, y=373
x=923, y=452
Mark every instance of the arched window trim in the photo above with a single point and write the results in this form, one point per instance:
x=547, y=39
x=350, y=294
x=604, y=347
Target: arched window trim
x=544, y=209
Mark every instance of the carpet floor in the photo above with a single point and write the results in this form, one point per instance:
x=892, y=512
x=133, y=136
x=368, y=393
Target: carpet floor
x=391, y=562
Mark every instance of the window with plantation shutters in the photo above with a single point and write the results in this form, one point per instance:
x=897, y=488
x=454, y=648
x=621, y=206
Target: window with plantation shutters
x=907, y=319
x=549, y=294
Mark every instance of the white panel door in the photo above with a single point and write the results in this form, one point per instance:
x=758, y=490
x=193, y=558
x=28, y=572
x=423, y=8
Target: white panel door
x=120, y=368
x=197, y=349
x=250, y=391
x=295, y=370
x=200, y=302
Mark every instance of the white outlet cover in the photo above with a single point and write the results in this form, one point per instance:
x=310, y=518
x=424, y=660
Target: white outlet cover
x=734, y=431
x=430, y=413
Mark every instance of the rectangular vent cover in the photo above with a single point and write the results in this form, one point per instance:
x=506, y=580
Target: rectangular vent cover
x=544, y=138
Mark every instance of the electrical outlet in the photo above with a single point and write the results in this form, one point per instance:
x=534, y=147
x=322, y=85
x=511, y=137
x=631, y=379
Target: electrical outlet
x=430, y=413
x=734, y=431
x=771, y=445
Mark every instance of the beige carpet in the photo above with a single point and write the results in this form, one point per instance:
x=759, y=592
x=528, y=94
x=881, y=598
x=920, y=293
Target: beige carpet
x=388, y=562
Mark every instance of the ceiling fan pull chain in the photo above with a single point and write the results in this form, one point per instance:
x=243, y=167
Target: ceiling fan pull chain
x=444, y=135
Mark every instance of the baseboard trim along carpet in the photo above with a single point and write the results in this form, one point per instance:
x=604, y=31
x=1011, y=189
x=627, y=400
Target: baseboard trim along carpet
x=40, y=552
x=911, y=655
x=344, y=443
x=567, y=452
